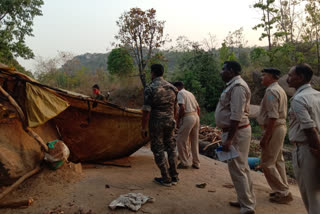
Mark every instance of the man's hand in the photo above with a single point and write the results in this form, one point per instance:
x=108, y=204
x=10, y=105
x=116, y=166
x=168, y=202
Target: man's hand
x=144, y=133
x=314, y=141
x=144, y=122
x=178, y=124
x=315, y=149
x=226, y=145
x=315, y=153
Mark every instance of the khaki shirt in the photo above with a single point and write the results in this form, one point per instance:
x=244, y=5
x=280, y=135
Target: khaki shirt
x=304, y=112
x=273, y=105
x=233, y=104
x=188, y=100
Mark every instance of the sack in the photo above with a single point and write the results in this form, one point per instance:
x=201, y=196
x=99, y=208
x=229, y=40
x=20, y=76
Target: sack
x=57, y=154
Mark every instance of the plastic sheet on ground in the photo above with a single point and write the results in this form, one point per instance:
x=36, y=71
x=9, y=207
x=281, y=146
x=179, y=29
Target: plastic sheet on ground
x=133, y=201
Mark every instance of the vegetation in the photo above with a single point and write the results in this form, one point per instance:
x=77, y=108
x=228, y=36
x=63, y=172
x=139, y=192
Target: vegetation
x=141, y=33
x=290, y=29
x=120, y=62
x=16, y=20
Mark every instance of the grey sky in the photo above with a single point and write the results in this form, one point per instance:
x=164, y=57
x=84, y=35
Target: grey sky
x=89, y=26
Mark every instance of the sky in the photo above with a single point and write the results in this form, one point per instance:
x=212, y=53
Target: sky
x=89, y=26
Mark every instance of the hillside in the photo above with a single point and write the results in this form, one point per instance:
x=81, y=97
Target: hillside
x=94, y=61
x=89, y=61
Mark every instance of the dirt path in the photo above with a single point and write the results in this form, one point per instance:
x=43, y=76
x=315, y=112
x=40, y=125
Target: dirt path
x=70, y=193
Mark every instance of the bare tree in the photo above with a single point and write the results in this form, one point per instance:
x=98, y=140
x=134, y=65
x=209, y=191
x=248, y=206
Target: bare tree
x=142, y=34
x=237, y=40
x=313, y=26
x=210, y=43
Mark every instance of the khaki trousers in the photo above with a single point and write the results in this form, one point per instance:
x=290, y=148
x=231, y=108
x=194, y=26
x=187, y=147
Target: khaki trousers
x=307, y=171
x=239, y=169
x=189, y=131
x=272, y=161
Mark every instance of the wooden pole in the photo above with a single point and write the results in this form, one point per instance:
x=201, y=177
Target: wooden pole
x=19, y=181
x=16, y=204
x=22, y=118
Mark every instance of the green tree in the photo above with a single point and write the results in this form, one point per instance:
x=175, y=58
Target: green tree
x=259, y=57
x=120, y=62
x=142, y=33
x=200, y=71
x=312, y=27
x=269, y=19
x=16, y=20
x=226, y=54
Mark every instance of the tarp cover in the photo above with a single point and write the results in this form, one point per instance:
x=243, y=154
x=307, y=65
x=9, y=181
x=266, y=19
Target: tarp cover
x=42, y=105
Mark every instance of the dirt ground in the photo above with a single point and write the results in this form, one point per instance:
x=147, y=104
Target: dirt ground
x=67, y=192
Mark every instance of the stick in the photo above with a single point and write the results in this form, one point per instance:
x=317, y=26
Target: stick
x=37, y=138
x=22, y=117
x=19, y=181
x=113, y=164
x=16, y=204
x=210, y=144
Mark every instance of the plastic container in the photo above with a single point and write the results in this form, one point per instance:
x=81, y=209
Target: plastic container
x=253, y=162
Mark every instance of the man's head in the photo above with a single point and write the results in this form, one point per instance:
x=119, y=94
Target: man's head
x=230, y=69
x=179, y=85
x=299, y=75
x=269, y=76
x=96, y=89
x=156, y=71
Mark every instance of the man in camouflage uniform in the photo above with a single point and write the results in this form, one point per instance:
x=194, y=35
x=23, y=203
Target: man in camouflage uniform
x=160, y=101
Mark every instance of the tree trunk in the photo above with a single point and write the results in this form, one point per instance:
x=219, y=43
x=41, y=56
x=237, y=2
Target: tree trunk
x=143, y=80
x=318, y=56
x=269, y=30
x=142, y=76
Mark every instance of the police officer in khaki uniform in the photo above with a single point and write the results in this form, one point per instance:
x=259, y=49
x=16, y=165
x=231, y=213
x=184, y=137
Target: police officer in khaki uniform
x=188, y=122
x=272, y=119
x=159, y=108
x=232, y=117
x=304, y=129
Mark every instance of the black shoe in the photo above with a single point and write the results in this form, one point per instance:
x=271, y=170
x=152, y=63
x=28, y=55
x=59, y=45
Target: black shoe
x=272, y=194
x=249, y=212
x=195, y=167
x=162, y=182
x=174, y=180
x=181, y=166
x=234, y=204
x=281, y=199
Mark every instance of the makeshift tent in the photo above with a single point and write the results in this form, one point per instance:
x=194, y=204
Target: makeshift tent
x=102, y=133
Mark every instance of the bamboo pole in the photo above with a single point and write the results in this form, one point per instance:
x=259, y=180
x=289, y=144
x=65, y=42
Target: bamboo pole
x=16, y=204
x=22, y=117
x=19, y=181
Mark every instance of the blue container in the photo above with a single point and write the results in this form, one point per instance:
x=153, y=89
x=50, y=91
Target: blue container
x=253, y=162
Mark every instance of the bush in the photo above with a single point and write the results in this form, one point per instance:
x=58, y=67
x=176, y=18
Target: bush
x=255, y=129
x=207, y=118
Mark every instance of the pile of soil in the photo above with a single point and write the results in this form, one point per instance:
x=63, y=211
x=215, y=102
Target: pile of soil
x=47, y=182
